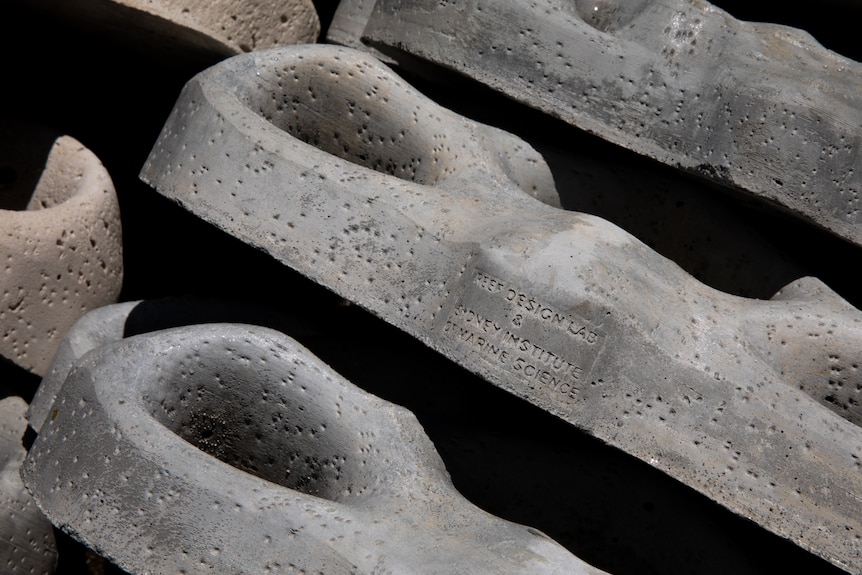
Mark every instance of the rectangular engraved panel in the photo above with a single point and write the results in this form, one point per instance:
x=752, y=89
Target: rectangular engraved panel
x=507, y=329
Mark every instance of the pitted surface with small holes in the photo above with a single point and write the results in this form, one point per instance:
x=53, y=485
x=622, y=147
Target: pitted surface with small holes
x=98, y=327
x=26, y=536
x=757, y=107
x=112, y=323
x=229, y=448
x=60, y=241
x=286, y=150
x=222, y=27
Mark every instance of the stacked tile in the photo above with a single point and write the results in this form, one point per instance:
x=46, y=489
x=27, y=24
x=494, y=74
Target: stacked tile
x=431, y=222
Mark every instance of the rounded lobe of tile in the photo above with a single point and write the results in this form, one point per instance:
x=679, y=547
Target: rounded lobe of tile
x=60, y=241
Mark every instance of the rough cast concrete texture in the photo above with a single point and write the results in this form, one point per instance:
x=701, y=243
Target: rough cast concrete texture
x=707, y=237
x=757, y=107
x=348, y=23
x=60, y=241
x=26, y=536
x=535, y=472
x=224, y=27
x=325, y=159
x=231, y=449
x=99, y=327
x=112, y=323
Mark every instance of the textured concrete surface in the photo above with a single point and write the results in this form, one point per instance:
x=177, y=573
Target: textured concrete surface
x=230, y=448
x=755, y=107
x=539, y=470
x=26, y=536
x=697, y=228
x=348, y=23
x=223, y=27
x=99, y=327
x=430, y=221
x=60, y=241
x=681, y=217
x=610, y=509
x=112, y=323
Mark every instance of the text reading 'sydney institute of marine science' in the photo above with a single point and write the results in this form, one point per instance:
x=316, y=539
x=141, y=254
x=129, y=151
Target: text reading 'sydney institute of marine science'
x=511, y=330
